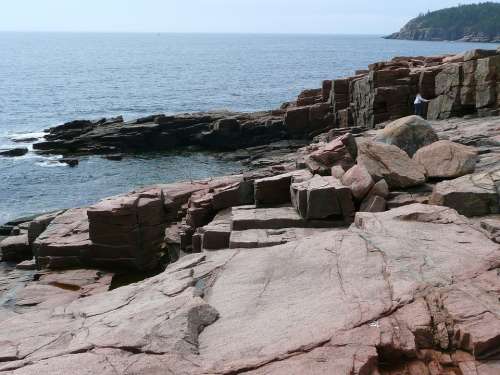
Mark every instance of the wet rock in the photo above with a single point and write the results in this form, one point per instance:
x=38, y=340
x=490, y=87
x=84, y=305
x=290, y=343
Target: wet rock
x=321, y=198
x=16, y=248
x=70, y=162
x=114, y=157
x=470, y=195
x=408, y=133
x=19, y=151
x=390, y=163
x=445, y=159
x=50, y=290
x=359, y=181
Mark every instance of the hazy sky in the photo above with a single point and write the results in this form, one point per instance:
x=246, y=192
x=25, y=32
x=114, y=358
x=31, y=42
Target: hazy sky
x=256, y=16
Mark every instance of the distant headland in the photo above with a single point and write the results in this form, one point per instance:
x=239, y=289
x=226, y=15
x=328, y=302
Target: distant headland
x=465, y=23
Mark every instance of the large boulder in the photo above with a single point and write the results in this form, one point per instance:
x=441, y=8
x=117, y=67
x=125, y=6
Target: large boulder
x=408, y=133
x=390, y=163
x=321, y=198
x=470, y=195
x=359, y=180
x=445, y=159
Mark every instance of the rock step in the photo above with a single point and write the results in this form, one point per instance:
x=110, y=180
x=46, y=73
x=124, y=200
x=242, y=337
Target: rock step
x=250, y=217
x=257, y=238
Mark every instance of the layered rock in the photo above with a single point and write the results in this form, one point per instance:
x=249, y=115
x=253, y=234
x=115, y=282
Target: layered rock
x=159, y=132
x=422, y=311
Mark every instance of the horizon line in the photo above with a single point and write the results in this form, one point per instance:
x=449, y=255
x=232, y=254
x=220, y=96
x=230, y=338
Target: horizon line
x=185, y=32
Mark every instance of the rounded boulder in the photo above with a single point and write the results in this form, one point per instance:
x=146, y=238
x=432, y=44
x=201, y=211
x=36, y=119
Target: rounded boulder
x=408, y=133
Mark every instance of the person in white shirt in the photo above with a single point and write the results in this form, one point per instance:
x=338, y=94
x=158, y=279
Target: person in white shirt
x=419, y=105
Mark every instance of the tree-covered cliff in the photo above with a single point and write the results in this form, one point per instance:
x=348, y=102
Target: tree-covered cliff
x=470, y=23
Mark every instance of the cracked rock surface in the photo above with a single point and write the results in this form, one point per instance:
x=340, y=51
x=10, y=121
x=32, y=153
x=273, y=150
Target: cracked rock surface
x=414, y=290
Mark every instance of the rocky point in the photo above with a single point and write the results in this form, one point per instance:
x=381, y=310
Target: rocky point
x=366, y=247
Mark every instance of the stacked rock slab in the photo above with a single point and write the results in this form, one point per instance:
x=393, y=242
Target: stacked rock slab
x=322, y=198
x=466, y=86
x=130, y=228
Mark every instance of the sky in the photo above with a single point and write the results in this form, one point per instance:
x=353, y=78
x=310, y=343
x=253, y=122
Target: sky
x=234, y=16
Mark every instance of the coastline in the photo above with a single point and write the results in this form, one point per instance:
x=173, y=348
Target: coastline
x=360, y=240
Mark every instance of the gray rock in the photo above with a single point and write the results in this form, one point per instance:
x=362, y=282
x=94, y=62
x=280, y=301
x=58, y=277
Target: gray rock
x=470, y=195
x=408, y=133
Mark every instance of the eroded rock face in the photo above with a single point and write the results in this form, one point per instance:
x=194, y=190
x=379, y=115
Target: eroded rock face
x=302, y=307
x=391, y=164
x=408, y=133
x=445, y=159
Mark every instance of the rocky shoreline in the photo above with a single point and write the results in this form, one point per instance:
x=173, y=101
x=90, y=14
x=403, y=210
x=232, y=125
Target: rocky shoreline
x=360, y=251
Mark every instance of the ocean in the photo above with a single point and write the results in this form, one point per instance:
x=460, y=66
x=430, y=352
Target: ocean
x=50, y=78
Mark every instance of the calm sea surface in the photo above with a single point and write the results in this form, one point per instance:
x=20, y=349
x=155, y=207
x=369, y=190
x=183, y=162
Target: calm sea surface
x=49, y=78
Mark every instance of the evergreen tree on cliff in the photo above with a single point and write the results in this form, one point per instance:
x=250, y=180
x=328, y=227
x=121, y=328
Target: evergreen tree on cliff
x=469, y=23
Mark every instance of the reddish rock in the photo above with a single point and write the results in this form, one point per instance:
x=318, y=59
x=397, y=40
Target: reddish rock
x=321, y=198
x=445, y=159
x=359, y=181
x=341, y=151
x=391, y=164
x=276, y=190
